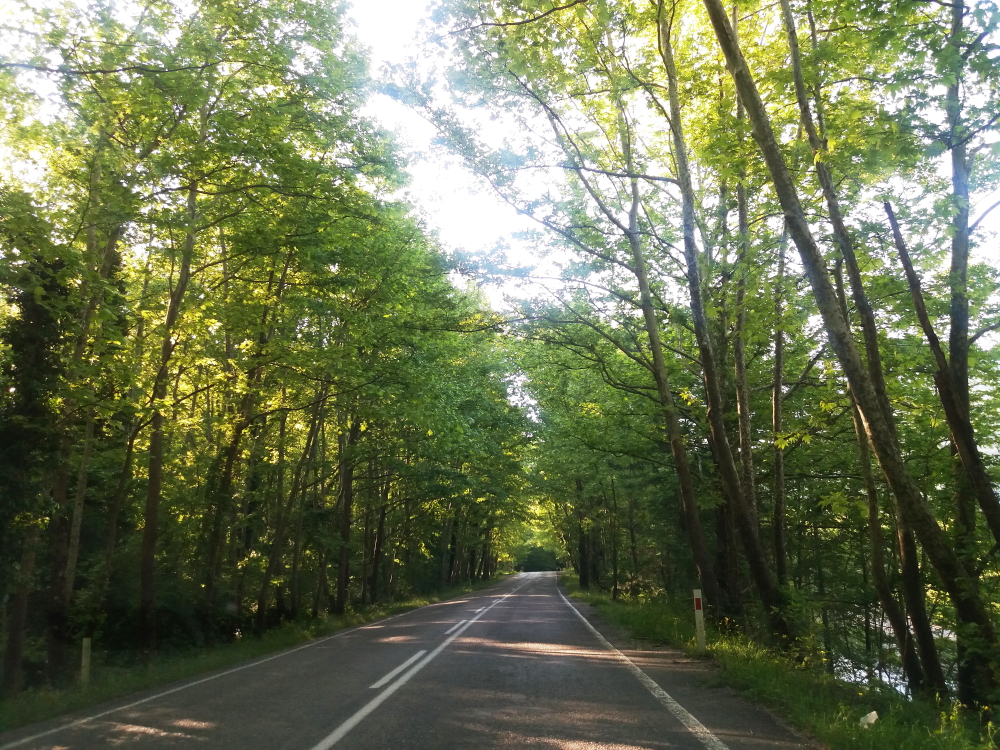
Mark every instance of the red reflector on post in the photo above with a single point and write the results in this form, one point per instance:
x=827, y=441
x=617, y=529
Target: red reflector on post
x=697, y=603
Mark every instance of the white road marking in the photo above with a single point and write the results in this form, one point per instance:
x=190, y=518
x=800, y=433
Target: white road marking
x=398, y=669
x=454, y=627
x=685, y=717
x=102, y=714
x=338, y=734
x=480, y=609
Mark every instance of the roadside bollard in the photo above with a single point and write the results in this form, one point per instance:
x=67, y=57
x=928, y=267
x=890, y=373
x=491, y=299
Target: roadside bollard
x=699, y=620
x=85, y=663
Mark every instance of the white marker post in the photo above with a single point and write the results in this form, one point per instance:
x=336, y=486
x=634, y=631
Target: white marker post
x=699, y=620
x=85, y=663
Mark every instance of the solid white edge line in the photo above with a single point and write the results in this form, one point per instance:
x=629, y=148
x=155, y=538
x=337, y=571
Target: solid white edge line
x=685, y=717
x=454, y=627
x=397, y=670
x=338, y=734
x=102, y=714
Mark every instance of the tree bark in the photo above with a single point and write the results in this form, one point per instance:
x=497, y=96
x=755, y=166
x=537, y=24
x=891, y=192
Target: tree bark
x=79, y=495
x=274, y=559
x=739, y=334
x=17, y=616
x=377, y=551
x=912, y=669
x=346, y=503
x=154, y=487
x=777, y=426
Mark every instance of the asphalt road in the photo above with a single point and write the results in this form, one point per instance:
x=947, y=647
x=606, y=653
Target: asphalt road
x=513, y=666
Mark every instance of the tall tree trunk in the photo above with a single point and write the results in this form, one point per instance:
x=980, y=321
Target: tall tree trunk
x=111, y=538
x=739, y=335
x=321, y=585
x=777, y=426
x=274, y=560
x=632, y=549
x=614, y=541
x=688, y=500
x=377, y=552
x=912, y=669
x=445, y=548
x=915, y=600
x=17, y=616
x=756, y=558
x=154, y=486
x=367, y=545
x=294, y=590
x=971, y=480
x=346, y=503
x=79, y=495
x=56, y=610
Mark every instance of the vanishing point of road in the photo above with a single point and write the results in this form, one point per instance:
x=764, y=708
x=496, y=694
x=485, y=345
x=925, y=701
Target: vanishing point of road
x=516, y=665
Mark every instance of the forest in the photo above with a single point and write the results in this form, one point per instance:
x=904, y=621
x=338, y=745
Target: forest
x=757, y=351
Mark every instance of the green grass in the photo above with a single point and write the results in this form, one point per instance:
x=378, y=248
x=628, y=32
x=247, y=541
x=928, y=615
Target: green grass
x=826, y=708
x=108, y=682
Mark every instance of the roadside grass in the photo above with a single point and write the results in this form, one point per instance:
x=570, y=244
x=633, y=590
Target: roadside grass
x=809, y=699
x=108, y=681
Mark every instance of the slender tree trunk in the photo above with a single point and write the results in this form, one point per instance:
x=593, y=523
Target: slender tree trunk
x=739, y=335
x=614, y=541
x=688, y=500
x=367, y=545
x=767, y=588
x=777, y=426
x=79, y=495
x=824, y=616
x=295, y=592
x=377, y=552
x=914, y=597
x=346, y=503
x=912, y=669
x=111, y=540
x=154, y=487
x=445, y=548
x=284, y=509
x=56, y=610
x=632, y=549
x=17, y=616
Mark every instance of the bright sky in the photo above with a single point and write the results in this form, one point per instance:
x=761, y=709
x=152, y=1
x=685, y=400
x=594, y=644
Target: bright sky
x=460, y=208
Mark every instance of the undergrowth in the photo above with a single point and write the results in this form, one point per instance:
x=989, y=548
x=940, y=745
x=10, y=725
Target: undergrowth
x=811, y=700
x=109, y=681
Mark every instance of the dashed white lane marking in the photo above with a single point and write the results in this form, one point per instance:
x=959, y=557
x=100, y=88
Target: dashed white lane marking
x=399, y=669
x=338, y=734
x=480, y=609
x=685, y=717
x=454, y=627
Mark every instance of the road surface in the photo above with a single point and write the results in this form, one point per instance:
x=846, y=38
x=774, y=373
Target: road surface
x=513, y=666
